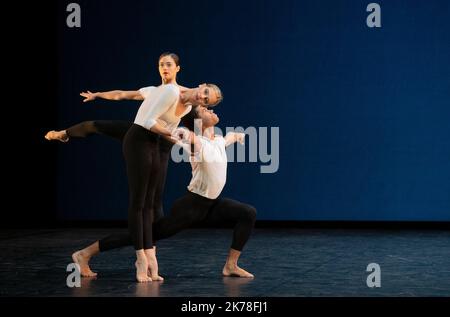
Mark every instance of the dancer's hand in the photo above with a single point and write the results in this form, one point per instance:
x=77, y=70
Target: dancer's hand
x=240, y=137
x=182, y=135
x=89, y=96
x=233, y=137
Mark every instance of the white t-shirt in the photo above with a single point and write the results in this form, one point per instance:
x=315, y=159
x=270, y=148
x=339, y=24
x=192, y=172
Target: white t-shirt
x=159, y=105
x=209, y=175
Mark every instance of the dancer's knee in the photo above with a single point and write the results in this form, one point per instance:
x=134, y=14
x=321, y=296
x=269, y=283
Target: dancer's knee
x=249, y=213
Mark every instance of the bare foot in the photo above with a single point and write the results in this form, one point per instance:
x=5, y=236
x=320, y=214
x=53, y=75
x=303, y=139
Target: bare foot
x=141, y=271
x=57, y=135
x=154, y=277
x=235, y=271
x=83, y=261
x=153, y=265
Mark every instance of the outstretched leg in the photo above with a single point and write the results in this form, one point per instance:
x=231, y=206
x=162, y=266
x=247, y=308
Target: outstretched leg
x=82, y=258
x=57, y=136
x=115, y=129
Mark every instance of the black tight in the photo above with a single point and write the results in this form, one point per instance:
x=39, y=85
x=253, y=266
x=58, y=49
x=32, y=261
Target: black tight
x=141, y=153
x=114, y=129
x=165, y=148
x=194, y=209
x=117, y=130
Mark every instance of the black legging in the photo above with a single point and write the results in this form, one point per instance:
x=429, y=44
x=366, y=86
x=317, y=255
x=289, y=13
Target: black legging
x=117, y=129
x=194, y=209
x=113, y=128
x=141, y=153
x=165, y=147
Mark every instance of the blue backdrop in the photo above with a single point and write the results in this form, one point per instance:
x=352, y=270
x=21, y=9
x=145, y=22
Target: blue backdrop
x=364, y=113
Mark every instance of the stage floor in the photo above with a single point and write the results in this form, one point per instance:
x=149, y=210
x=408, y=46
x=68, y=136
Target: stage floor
x=285, y=262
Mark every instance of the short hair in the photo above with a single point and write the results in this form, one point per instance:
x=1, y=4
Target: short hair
x=189, y=120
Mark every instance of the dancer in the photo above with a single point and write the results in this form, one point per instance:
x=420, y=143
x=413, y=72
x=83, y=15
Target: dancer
x=169, y=66
x=202, y=203
x=160, y=113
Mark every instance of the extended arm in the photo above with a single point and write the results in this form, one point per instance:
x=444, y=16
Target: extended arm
x=233, y=137
x=112, y=95
x=187, y=140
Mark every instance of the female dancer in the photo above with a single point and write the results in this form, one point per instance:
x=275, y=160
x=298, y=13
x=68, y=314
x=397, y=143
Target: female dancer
x=207, y=95
x=159, y=114
x=169, y=66
x=202, y=202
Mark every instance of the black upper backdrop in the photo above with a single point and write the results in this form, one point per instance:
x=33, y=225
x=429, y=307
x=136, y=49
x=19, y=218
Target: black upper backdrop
x=30, y=108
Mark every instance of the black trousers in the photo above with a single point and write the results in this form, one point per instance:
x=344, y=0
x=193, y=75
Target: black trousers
x=194, y=209
x=141, y=153
x=117, y=130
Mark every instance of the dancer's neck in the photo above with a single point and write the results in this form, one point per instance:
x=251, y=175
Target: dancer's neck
x=209, y=133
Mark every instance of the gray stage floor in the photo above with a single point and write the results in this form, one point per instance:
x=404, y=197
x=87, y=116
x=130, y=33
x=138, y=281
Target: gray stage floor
x=285, y=262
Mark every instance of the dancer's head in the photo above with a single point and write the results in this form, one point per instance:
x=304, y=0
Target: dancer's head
x=207, y=116
x=169, y=66
x=206, y=95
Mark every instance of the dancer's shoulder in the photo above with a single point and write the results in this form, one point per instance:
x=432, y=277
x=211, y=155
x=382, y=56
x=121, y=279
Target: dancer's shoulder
x=171, y=88
x=146, y=91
